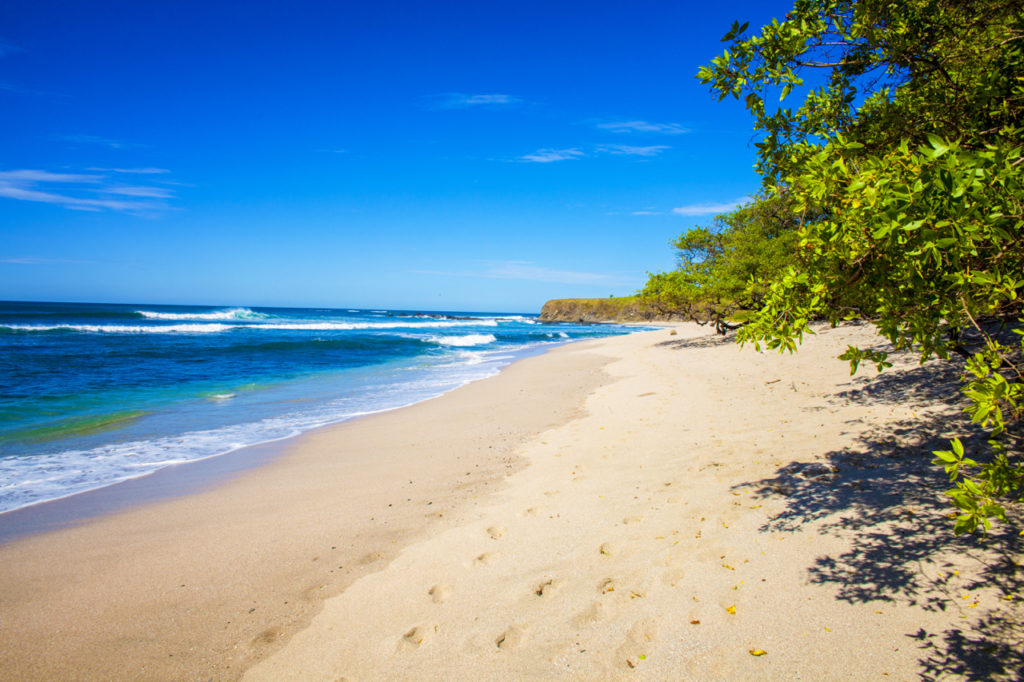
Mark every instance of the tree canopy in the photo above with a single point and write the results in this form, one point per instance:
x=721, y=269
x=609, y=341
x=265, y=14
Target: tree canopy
x=901, y=170
x=725, y=268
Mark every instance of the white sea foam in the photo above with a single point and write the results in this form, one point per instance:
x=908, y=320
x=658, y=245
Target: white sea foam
x=466, y=340
x=328, y=326
x=123, y=328
x=230, y=314
x=27, y=481
x=470, y=358
x=200, y=328
x=461, y=355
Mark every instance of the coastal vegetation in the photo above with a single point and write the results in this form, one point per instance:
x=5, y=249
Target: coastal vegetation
x=725, y=269
x=892, y=193
x=611, y=309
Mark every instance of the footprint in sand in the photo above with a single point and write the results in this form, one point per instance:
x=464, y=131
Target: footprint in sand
x=610, y=548
x=673, y=577
x=592, y=613
x=268, y=636
x=638, y=644
x=632, y=520
x=547, y=587
x=532, y=511
x=441, y=592
x=511, y=638
x=488, y=558
x=496, y=531
x=417, y=636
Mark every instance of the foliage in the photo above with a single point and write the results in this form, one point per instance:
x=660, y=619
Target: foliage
x=904, y=165
x=725, y=269
x=611, y=309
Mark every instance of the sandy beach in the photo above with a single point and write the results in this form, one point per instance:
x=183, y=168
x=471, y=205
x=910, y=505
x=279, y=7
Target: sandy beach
x=660, y=506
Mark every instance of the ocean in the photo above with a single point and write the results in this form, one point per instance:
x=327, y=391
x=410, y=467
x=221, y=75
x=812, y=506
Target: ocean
x=93, y=394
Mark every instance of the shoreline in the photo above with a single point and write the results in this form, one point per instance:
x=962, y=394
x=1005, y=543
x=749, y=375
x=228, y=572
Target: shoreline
x=168, y=483
x=218, y=577
x=187, y=477
x=651, y=504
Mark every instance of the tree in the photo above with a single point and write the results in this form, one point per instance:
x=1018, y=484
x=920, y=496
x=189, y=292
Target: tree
x=904, y=166
x=725, y=268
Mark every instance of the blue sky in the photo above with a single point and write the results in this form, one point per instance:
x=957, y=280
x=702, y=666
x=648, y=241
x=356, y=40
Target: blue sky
x=442, y=155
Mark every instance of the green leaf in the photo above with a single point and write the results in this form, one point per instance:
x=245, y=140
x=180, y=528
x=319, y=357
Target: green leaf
x=921, y=235
x=736, y=30
x=972, y=487
x=938, y=144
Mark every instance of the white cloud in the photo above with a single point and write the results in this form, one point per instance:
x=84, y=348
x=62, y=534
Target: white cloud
x=646, y=213
x=527, y=271
x=643, y=127
x=40, y=261
x=473, y=100
x=33, y=176
x=152, y=192
x=711, y=208
x=82, y=192
x=135, y=171
x=627, y=150
x=459, y=100
x=6, y=48
x=94, y=139
x=552, y=155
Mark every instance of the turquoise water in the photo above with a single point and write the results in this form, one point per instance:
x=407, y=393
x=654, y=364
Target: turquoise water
x=93, y=394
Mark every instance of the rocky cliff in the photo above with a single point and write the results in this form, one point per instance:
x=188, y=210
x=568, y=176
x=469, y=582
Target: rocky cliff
x=621, y=309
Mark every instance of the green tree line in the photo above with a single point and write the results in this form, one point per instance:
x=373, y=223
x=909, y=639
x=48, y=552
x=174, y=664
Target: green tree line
x=892, y=192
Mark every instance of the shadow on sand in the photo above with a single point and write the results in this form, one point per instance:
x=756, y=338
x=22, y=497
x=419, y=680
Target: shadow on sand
x=885, y=496
x=709, y=341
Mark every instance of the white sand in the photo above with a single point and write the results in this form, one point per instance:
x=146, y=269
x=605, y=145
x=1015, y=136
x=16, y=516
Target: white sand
x=659, y=518
x=639, y=542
